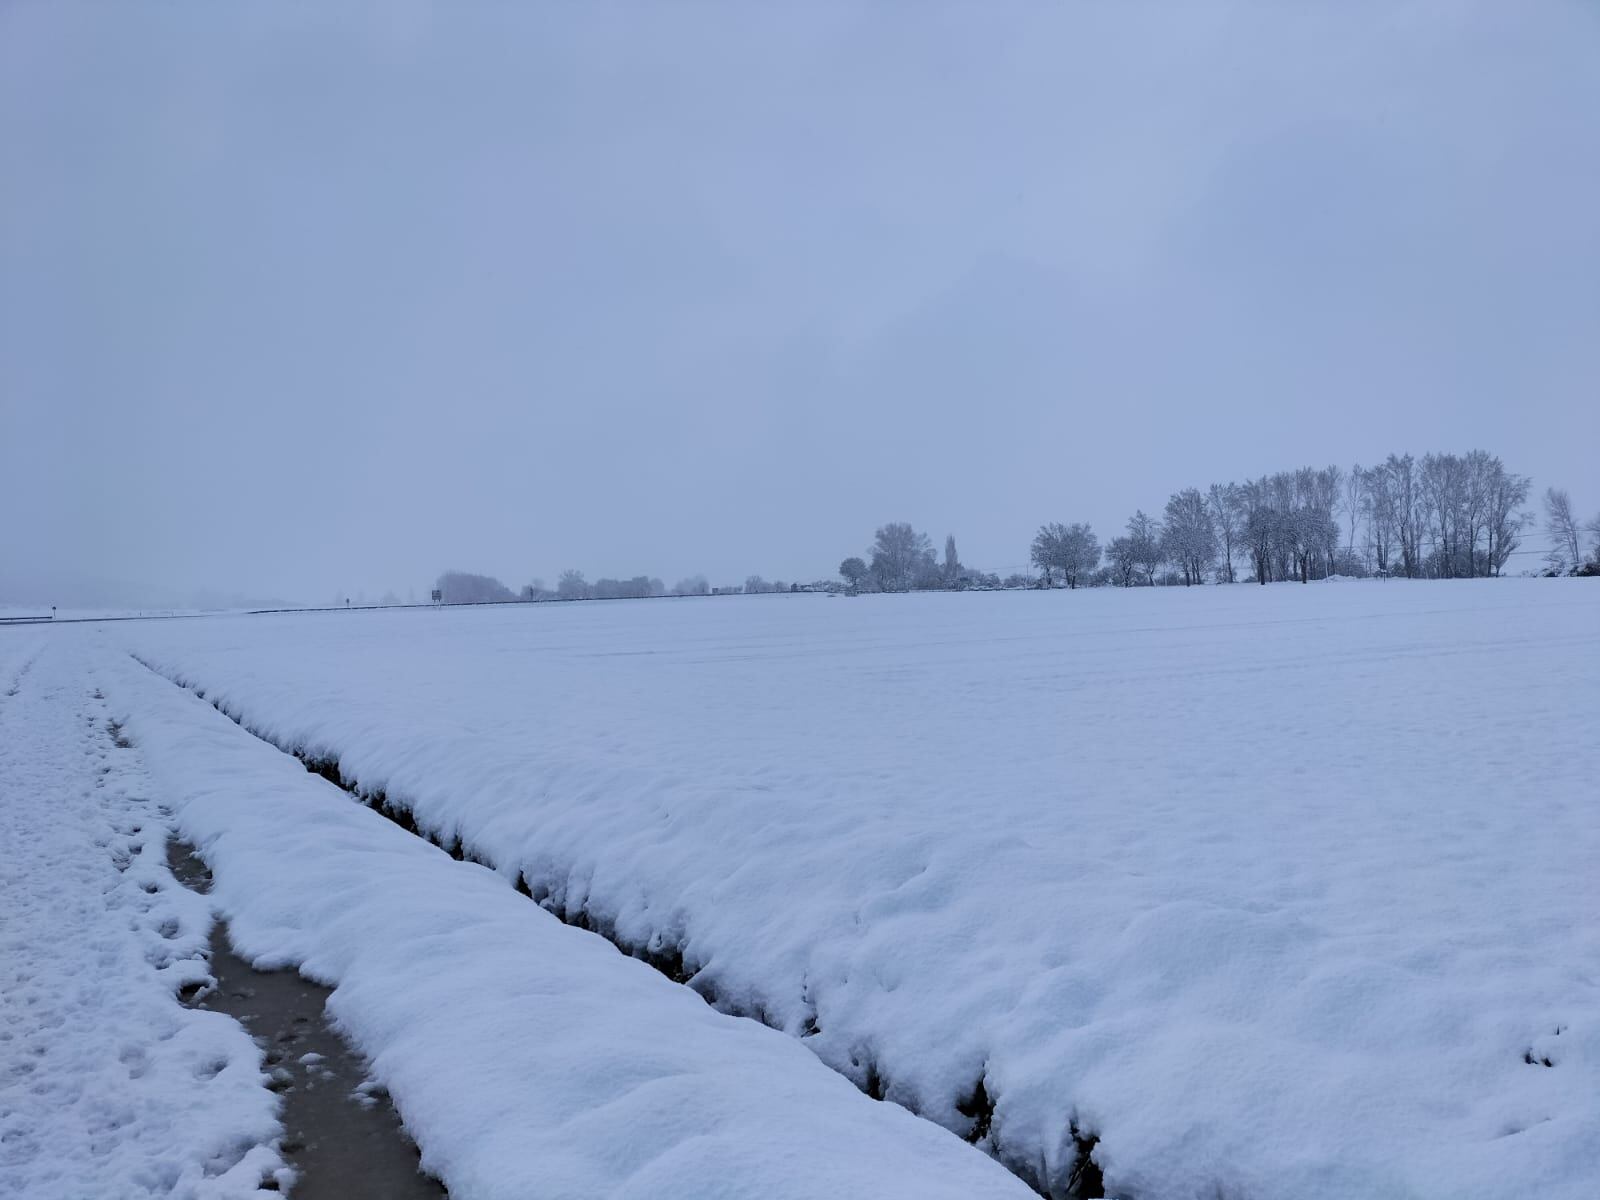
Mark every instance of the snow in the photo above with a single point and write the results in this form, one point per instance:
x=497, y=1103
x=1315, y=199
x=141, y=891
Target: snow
x=18, y=648
x=526, y=1058
x=1273, y=890
x=108, y=1085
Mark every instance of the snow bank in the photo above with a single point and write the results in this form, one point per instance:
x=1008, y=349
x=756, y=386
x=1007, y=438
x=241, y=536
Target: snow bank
x=109, y=1087
x=1278, y=891
x=525, y=1057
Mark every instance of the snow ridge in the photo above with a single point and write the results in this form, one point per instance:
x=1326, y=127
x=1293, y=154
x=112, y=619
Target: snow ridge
x=1079, y=1178
x=526, y=1058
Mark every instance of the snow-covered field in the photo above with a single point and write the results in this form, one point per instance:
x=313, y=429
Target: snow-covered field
x=1258, y=891
x=108, y=1086
x=1252, y=892
x=528, y=1059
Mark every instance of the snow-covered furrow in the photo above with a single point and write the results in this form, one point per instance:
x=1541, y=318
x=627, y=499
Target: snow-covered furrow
x=1232, y=884
x=109, y=1086
x=1079, y=1177
x=526, y=1058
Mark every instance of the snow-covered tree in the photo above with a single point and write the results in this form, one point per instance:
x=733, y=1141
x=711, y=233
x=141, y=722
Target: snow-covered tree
x=1504, y=520
x=1319, y=490
x=1144, y=533
x=1355, y=495
x=1045, y=551
x=1227, y=517
x=1189, y=536
x=1122, y=558
x=1378, y=508
x=1080, y=554
x=901, y=557
x=1260, y=528
x=1562, y=528
x=1410, y=510
x=1473, y=513
x=1070, y=551
x=950, y=569
x=854, y=572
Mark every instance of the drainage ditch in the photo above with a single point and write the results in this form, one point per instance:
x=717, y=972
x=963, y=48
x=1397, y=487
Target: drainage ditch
x=342, y=1135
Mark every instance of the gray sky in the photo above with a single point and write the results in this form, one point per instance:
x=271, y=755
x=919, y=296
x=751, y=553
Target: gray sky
x=298, y=300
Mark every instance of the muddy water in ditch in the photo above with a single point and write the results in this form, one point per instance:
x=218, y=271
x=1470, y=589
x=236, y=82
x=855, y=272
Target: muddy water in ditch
x=344, y=1140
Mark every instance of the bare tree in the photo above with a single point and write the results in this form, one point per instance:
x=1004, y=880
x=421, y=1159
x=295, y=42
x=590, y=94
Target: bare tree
x=1409, y=510
x=1190, y=538
x=1562, y=527
x=1145, y=534
x=1122, y=557
x=1047, y=551
x=1319, y=491
x=1503, y=518
x=1080, y=554
x=1355, y=499
x=1227, y=516
x=1378, y=507
x=901, y=557
x=1071, y=550
x=1445, y=484
x=694, y=585
x=1260, y=529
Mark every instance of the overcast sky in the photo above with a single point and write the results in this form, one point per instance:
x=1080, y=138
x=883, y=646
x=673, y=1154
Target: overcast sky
x=307, y=300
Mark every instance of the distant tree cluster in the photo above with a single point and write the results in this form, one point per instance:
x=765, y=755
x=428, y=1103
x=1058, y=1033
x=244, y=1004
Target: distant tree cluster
x=460, y=587
x=755, y=586
x=573, y=586
x=901, y=559
x=1443, y=516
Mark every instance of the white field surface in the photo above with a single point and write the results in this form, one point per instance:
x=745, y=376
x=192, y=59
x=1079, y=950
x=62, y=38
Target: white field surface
x=529, y=1060
x=1274, y=891
x=109, y=1087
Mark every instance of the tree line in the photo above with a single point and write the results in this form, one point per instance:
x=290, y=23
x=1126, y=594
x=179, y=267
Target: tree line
x=1441, y=516
x=462, y=587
